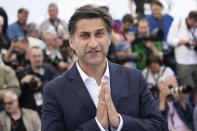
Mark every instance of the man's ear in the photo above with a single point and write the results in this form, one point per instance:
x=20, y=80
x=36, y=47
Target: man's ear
x=71, y=43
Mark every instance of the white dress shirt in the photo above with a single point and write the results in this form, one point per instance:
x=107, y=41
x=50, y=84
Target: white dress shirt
x=94, y=90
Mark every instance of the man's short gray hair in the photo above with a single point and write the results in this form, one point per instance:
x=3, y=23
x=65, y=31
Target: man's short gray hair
x=11, y=93
x=31, y=28
x=47, y=34
x=53, y=5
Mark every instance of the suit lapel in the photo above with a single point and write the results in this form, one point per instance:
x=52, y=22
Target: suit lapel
x=81, y=91
x=8, y=121
x=115, y=84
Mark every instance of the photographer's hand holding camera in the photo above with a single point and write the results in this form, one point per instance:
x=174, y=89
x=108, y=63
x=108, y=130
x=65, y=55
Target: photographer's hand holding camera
x=174, y=107
x=154, y=50
x=31, y=81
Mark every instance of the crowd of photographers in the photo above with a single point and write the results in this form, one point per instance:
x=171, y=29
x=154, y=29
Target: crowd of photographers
x=163, y=48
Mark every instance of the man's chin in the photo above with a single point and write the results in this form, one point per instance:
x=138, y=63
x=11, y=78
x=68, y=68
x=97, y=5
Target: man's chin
x=95, y=62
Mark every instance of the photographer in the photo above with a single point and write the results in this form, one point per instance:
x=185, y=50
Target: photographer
x=154, y=72
x=33, y=78
x=52, y=53
x=176, y=108
x=16, y=57
x=183, y=36
x=144, y=45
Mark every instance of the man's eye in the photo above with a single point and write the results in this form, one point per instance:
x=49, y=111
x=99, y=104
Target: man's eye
x=83, y=36
x=99, y=34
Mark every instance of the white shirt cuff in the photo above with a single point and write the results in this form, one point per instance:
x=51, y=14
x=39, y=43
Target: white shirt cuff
x=102, y=129
x=120, y=124
x=118, y=129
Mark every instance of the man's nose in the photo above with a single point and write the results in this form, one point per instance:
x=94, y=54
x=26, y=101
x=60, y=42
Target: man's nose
x=93, y=42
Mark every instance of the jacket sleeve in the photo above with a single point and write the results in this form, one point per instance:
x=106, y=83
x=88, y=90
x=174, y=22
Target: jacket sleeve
x=188, y=113
x=150, y=118
x=52, y=116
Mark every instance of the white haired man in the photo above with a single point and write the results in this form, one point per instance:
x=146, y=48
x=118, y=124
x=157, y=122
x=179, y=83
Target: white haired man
x=14, y=118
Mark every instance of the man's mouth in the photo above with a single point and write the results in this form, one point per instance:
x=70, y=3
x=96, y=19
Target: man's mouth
x=93, y=52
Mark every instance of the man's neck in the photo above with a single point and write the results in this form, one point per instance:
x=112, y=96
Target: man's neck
x=22, y=24
x=94, y=71
x=35, y=69
x=51, y=49
x=53, y=19
x=17, y=114
x=160, y=17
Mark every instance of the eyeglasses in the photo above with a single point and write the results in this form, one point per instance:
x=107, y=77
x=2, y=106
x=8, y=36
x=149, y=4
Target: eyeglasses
x=8, y=103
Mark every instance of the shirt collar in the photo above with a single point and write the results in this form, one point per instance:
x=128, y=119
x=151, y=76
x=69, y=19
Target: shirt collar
x=84, y=76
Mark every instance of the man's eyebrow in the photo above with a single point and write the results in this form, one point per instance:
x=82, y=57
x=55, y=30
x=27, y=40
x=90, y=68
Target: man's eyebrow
x=100, y=29
x=84, y=32
x=87, y=32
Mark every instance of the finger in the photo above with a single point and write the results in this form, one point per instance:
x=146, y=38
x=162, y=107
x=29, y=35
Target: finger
x=107, y=92
x=112, y=113
x=102, y=115
x=109, y=103
x=108, y=100
x=101, y=108
x=101, y=94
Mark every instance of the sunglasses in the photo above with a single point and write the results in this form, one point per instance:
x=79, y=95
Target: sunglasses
x=8, y=103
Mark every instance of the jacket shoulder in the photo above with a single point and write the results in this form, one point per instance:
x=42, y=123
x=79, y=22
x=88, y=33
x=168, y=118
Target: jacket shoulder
x=58, y=82
x=28, y=111
x=2, y=114
x=126, y=70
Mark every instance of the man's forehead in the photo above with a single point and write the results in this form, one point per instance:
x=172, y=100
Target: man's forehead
x=36, y=52
x=90, y=25
x=8, y=98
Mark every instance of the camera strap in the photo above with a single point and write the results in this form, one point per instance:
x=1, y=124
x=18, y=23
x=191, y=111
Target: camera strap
x=193, y=34
x=54, y=24
x=155, y=79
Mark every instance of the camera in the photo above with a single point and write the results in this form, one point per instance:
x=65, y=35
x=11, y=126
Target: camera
x=33, y=83
x=14, y=63
x=178, y=90
x=181, y=89
x=35, y=79
x=54, y=61
x=135, y=57
x=189, y=45
x=155, y=35
x=65, y=43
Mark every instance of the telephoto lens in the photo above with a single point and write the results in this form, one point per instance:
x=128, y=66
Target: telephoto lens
x=181, y=89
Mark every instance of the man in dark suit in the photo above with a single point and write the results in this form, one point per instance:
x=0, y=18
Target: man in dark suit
x=95, y=94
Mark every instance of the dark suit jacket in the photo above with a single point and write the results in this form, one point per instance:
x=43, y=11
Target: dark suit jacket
x=68, y=106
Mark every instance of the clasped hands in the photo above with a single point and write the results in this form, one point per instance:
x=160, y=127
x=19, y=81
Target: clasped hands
x=106, y=111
